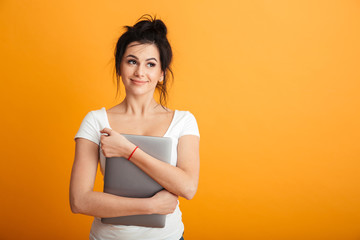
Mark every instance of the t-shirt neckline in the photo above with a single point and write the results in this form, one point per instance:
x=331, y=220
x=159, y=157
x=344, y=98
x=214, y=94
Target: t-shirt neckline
x=167, y=131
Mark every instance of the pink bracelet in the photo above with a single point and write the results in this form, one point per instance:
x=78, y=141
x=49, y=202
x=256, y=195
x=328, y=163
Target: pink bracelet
x=133, y=152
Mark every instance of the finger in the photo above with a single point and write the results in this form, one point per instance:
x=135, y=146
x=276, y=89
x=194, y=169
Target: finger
x=106, y=130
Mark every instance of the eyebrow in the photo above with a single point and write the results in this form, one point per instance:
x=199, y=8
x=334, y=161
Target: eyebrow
x=130, y=55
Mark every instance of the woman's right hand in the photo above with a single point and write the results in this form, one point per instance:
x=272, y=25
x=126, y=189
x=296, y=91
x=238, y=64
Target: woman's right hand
x=115, y=144
x=164, y=202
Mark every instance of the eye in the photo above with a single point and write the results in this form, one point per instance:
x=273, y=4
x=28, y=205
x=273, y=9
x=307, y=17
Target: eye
x=131, y=61
x=150, y=64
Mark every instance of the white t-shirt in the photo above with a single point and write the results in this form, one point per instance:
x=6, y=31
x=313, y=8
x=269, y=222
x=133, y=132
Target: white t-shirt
x=183, y=123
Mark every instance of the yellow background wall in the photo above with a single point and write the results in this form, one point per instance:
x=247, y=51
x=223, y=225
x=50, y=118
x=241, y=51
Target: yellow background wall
x=274, y=86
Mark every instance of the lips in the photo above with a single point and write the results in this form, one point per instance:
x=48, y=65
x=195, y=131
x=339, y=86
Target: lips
x=138, y=82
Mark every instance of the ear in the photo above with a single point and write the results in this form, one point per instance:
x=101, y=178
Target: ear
x=162, y=77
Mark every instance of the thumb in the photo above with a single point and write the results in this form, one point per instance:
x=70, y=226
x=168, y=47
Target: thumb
x=106, y=130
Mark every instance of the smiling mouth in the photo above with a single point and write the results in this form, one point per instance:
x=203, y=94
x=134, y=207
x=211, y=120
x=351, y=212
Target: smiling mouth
x=138, y=81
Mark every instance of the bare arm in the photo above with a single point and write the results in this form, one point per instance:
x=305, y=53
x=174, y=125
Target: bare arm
x=84, y=200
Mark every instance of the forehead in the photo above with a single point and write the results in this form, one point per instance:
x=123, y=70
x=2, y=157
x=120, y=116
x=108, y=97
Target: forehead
x=145, y=50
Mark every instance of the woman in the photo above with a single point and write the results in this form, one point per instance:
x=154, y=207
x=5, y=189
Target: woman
x=142, y=61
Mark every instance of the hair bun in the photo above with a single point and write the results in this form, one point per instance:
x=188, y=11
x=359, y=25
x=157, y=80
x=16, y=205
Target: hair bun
x=159, y=26
x=147, y=23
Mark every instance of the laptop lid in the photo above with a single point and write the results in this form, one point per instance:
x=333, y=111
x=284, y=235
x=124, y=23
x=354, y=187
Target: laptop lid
x=123, y=178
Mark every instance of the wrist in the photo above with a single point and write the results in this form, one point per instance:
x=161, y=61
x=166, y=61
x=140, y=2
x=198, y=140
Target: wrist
x=132, y=152
x=151, y=206
x=129, y=149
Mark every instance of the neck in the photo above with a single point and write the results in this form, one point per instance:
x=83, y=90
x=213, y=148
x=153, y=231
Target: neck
x=139, y=106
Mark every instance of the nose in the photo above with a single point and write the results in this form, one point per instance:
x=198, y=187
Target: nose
x=139, y=71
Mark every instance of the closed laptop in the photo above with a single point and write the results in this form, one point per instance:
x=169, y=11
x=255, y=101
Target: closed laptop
x=123, y=178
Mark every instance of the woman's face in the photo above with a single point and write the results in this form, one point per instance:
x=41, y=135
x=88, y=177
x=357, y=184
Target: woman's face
x=141, y=68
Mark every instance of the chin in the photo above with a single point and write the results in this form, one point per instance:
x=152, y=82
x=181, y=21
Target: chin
x=139, y=91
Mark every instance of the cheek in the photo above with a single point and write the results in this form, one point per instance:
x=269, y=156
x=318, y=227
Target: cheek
x=124, y=70
x=126, y=73
x=155, y=75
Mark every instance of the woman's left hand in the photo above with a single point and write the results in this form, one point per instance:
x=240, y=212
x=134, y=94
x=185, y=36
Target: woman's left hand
x=114, y=144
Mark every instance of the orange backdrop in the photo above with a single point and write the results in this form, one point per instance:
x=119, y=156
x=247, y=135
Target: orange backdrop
x=274, y=86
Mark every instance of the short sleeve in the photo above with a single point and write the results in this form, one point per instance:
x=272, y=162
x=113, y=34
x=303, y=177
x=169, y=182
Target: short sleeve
x=190, y=126
x=88, y=129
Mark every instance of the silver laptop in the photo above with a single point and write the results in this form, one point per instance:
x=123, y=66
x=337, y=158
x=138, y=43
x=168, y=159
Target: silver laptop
x=123, y=178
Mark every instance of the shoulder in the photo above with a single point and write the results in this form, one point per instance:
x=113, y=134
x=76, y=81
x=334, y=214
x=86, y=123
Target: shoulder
x=96, y=118
x=98, y=113
x=187, y=122
x=91, y=125
x=184, y=114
